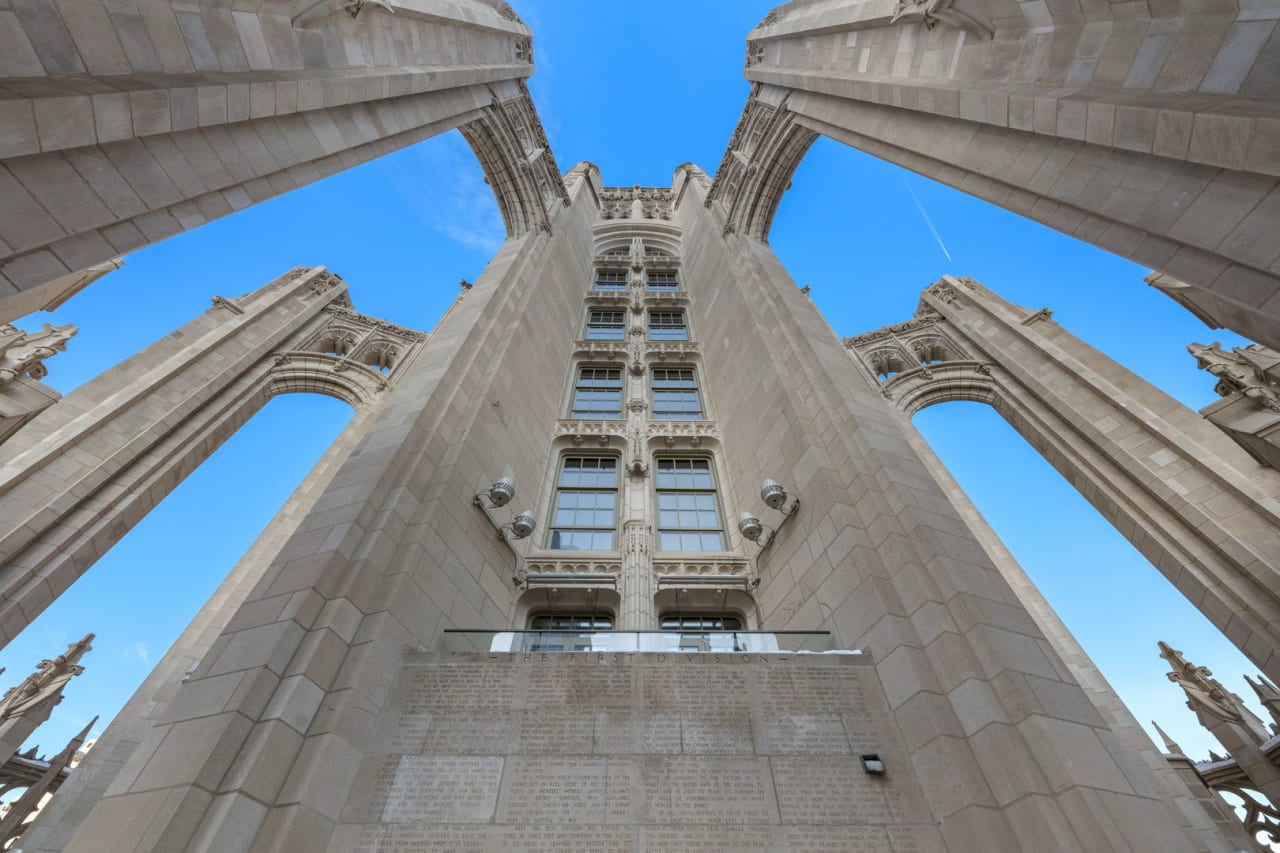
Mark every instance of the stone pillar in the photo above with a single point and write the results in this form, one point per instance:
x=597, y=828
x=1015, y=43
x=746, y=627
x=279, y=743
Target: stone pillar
x=1146, y=132
x=1217, y=831
x=135, y=122
x=58, y=820
x=259, y=746
x=80, y=475
x=879, y=556
x=1192, y=502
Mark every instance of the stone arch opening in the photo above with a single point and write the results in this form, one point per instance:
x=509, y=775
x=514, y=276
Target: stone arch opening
x=141, y=428
x=200, y=543
x=1181, y=492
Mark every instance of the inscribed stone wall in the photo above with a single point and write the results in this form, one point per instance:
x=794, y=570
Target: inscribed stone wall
x=671, y=752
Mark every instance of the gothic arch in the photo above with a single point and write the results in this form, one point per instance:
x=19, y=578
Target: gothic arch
x=1193, y=503
x=766, y=147
x=926, y=85
x=519, y=167
x=80, y=476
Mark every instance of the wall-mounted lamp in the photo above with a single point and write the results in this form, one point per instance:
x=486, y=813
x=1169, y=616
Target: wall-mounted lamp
x=498, y=495
x=872, y=764
x=775, y=497
x=520, y=526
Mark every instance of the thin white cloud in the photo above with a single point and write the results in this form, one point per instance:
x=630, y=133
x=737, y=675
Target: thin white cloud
x=442, y=182
x=143, y=653
x=925, y=216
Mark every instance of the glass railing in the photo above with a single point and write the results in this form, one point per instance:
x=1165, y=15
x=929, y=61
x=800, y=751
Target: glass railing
x=455, y=640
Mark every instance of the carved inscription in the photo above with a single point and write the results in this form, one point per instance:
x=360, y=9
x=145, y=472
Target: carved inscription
x=441, y=789
x=605, y=753
x=486, y=839
x=410, y=733
x=726, y=733
x=795, y=690
x=844, y=839
x=691, y=688
x=558, y=730
x=818, y=734
x=699, y=839
x=624, y=732
x=589, y=683
x=723, y=789
x=475, y=733
x=444, y=687
x=554, y=789
x=819, y=789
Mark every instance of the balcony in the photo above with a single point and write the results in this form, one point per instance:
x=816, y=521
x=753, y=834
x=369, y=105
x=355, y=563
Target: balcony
x=649, y=642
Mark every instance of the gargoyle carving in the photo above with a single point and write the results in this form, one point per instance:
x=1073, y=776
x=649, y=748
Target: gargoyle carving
x=1241, y=371
x=23, y=353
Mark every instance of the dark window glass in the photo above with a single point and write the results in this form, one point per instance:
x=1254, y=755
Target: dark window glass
x=688, y=510
x=667, y=326
x=606, y=325
x=598, y=393
x=662, y=280
x=611, y=280
x=585, y=515
x=675, y=394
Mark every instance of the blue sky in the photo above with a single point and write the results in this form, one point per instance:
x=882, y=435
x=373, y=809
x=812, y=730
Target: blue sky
x=636, y=89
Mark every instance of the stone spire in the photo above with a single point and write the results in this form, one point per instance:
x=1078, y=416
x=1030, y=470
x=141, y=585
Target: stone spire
x=14, y=821
x=1170, y=745
x=30, y=703
x=1269, y=695
x=1211, y=702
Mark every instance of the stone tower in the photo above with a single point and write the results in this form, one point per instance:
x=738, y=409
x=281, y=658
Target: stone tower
x=733, y=602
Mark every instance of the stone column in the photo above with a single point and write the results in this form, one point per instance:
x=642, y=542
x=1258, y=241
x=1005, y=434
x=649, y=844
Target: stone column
x=1184, y=494
x=58, y=820
x=135, y=122
x=82, y=473
x=879, y=556
x=1199, y=807
x=259, y=747
x=1148, y=132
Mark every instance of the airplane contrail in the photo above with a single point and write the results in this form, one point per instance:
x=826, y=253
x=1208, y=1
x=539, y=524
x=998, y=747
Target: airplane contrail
x=927, y=221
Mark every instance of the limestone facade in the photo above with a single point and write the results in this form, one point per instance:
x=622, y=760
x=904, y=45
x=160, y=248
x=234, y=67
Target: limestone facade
x=649, y=332
x=262, y=744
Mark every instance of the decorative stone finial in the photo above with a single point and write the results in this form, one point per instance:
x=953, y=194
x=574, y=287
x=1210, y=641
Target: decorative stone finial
x=1204, y=693
x=23, y=353
x=44, y=686
x=1268, y=694
x=1170, y=745
x=1244, y=371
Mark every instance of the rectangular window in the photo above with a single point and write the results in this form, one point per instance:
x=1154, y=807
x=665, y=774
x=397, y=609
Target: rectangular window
x=611, y=280
x=585, y=516
x=667, y=326
x=688, y=510
x=570, y=632
x=598, y=393
x=704, y=633
x=662, y=280
x=607, y=326
x=675, y=394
